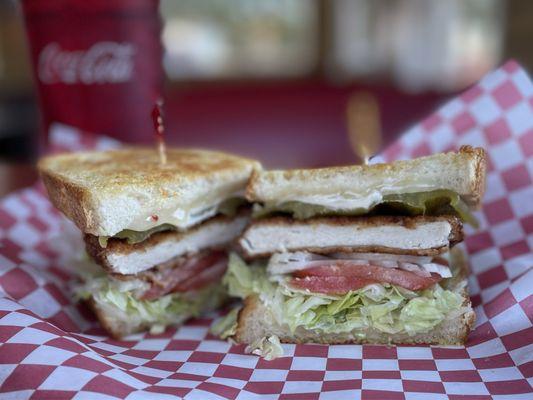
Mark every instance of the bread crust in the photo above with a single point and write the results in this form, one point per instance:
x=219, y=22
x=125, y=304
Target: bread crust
x=255, y=321
x=468, y=163
x=479, y=184
x=68, y=197
x=456, y=234
x=102, y=192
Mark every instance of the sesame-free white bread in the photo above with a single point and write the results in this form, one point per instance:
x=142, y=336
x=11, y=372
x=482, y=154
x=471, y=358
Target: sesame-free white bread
x=256, y=321
x=105, y=192
x=462, y=172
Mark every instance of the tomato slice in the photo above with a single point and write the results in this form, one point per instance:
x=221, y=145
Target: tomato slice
x=330, y=284
x=346, y=269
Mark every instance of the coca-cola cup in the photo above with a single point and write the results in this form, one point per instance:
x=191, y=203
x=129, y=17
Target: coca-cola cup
x=97, y=64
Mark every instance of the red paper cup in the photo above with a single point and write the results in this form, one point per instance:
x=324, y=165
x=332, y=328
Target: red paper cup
x=97, y=64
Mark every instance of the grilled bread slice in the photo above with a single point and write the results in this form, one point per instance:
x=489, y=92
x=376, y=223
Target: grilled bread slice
x=105, y=192
x=462, y=172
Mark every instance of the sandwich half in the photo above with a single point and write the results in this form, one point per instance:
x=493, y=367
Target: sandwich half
x=361, y=254
x=156, y=234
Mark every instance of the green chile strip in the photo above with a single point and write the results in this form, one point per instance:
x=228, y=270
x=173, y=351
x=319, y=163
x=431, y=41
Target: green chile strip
x=436, y=202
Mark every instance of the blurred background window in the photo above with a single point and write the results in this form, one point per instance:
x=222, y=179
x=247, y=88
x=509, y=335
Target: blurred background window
x=419, y=44
x=416, y=44
x=218, y=39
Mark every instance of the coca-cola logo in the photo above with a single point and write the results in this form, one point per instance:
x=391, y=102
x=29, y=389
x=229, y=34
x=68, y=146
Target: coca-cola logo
x=103, y=62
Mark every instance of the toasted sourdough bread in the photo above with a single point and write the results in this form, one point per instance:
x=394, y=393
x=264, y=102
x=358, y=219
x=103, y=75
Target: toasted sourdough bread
x=104, y=192
x=420, y=235
x=462, y=171
x=255, y=321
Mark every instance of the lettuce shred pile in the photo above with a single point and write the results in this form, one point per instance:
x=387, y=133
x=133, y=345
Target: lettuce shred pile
x=226, y=326
x=267, y=347
x=119, y=297
x=384, y=307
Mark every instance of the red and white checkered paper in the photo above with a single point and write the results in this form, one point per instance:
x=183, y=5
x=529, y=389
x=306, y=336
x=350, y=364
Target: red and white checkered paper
x=53, y=348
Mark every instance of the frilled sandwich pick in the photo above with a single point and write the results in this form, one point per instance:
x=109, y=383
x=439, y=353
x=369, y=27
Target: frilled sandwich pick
x=157, y=231
x=360, y=254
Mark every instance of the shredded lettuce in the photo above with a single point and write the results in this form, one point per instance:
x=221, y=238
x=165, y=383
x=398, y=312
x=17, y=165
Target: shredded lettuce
x=226, y=326
x=267, y=347
x=119, y=297
x=384, y=307
x=243, y=280
x=426, y=311
x=436, y=202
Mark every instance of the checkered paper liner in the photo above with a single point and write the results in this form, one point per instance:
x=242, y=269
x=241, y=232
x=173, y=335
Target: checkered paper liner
x=52, y=348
